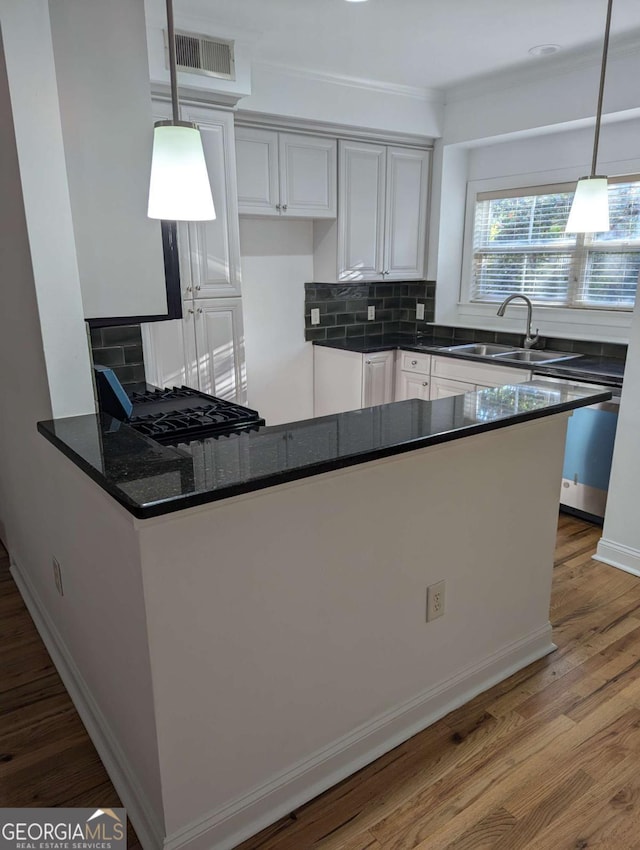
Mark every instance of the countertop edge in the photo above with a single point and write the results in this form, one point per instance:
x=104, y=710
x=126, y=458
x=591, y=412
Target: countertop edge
x=179, y=503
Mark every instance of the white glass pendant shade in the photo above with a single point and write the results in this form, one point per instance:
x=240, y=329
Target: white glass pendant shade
x=179, y=189
x=590, y=207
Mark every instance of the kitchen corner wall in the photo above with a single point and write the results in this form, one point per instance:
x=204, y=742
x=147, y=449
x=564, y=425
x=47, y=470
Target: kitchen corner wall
x=343, y=308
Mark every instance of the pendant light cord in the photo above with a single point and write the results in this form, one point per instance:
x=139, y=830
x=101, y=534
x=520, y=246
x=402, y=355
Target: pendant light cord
x=172, y=61
x=603, y=71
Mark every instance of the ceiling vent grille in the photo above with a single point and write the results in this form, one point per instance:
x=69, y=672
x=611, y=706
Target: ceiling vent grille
x=202, y=55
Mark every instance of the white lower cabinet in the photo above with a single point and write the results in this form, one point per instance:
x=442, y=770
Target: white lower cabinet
x=203, y=350
x=347, y=380
x=441, y=388
x=413, y=376
x=410, y=385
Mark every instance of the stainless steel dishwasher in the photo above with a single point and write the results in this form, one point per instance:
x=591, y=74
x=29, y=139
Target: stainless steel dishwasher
x=591, y=436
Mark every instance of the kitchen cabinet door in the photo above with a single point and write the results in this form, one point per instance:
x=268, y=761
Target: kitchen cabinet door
x=286, y=174
x=361, y=189
x=406, y=213
x=214, y=246
x=412, y=386
x=442, y=388
x=257, y=165
x=308, y=176
x=377, y=378
x=219, y=344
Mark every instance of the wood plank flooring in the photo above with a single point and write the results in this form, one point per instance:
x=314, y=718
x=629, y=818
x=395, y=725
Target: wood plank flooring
x=548, y=760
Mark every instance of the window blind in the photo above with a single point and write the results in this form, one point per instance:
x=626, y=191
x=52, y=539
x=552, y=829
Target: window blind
x=519, y=245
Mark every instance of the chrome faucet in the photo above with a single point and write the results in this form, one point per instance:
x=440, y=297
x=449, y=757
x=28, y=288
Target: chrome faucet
x=529, y=341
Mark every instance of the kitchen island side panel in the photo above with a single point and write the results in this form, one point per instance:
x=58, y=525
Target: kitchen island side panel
x=287, y=627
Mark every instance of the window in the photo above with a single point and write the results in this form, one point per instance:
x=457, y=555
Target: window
x=519, y=245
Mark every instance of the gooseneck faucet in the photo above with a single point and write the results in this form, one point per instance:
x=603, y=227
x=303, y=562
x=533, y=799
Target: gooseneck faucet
x=529, y=341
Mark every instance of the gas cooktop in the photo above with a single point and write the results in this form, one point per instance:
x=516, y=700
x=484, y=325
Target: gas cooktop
x=173, y=415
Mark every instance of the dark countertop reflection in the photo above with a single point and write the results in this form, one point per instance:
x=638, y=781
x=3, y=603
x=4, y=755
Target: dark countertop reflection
x=150, y=480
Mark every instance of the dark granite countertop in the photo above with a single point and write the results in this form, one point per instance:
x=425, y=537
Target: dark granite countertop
x=151, y=480
x=586, y=367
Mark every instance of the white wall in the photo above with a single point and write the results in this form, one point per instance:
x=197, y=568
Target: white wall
x=620, y=544
x=36, y=119
x=563, y=91
x=305, y=653
x=277, y=259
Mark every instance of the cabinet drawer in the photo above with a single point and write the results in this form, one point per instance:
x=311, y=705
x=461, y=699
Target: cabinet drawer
x=410, y=361
x=477, y=373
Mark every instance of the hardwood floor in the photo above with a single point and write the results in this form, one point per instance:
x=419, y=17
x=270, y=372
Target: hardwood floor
x=548, y=760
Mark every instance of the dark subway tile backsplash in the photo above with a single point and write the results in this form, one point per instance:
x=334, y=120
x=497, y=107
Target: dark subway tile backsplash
x=120, y=348
x=343, y=308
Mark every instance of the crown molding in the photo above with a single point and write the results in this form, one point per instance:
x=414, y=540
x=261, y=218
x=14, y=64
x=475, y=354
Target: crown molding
x=422, y=93
x=544, y=68
x=264, y=121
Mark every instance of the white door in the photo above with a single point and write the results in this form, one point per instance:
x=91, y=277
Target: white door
x=406, y=213
x=257, y=165
x=214, y=246
x=412, y=386
x=308, y=176
x=441, y=388
x=361, y=202
x=219, y=341
x=377, y=379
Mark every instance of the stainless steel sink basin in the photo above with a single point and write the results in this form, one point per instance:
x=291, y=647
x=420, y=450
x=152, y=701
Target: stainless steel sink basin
x=480, y=349
x=531, y=356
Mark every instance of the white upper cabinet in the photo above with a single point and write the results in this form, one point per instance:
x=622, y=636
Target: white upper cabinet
x=210, y=250
x=361, y=222
x=406, y=213
x=382, y=221
x=286, y=174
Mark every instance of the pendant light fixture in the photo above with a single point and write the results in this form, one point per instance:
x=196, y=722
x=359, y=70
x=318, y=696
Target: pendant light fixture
x=590, y=207
x=179, y=189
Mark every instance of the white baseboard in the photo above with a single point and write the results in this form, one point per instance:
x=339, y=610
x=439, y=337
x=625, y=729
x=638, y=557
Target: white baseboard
x=617, y=555
x=145, y=822
x=226, y=827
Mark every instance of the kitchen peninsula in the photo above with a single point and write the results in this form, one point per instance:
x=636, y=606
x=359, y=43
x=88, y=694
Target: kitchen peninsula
x=265, y=593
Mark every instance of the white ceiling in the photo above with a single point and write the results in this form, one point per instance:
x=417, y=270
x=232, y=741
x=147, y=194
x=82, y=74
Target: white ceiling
x=426, y=43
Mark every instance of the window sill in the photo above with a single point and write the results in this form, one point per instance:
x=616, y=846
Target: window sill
x=597, y=325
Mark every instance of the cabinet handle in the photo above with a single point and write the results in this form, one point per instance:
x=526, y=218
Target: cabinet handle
x=414, y=362
x=284, y=207
x=198, y=288
x=278, y=206
x=425, y=383
x=189, y=289
x=190, y=311
x=199, y=309
x=368, y=362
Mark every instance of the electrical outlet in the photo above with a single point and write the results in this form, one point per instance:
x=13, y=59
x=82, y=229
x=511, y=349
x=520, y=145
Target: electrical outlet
x=57, y=575
x=315, y=316
x=435, y=601
x=419, y=311
x=371, y=312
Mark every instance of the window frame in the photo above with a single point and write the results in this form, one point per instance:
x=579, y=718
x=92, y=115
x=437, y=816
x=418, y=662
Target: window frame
x=603, y=324
x=578, y=254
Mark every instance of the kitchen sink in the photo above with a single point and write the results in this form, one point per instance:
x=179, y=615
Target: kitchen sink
x=480, y=349
x=531, y=356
